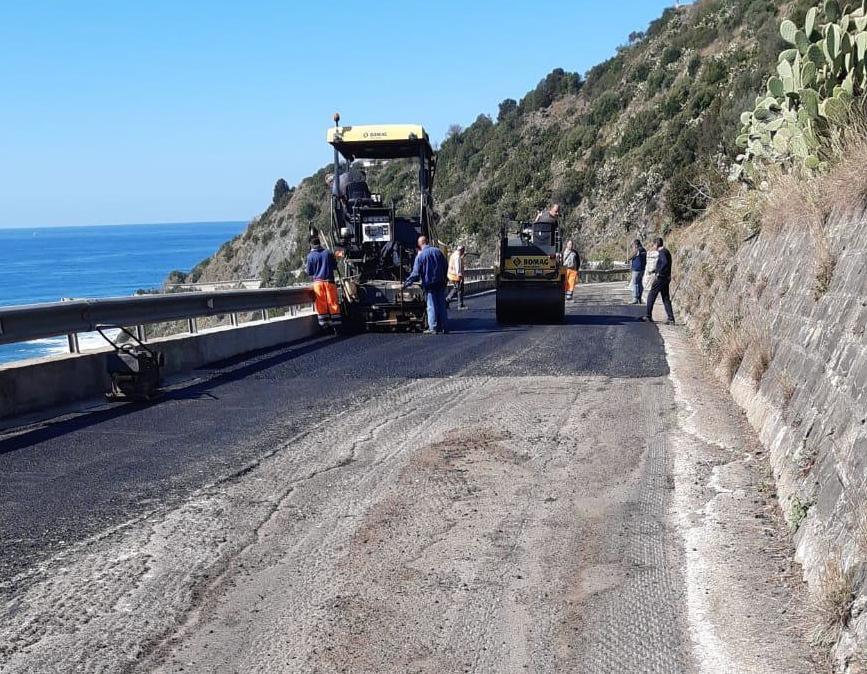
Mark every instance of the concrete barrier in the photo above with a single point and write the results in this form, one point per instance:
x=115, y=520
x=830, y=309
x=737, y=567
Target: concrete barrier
x=31, y=385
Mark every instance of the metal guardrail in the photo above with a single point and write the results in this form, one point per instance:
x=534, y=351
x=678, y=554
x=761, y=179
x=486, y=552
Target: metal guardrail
x=598, y=275
x=478, y=273
x=37, y=321
x=55, y=319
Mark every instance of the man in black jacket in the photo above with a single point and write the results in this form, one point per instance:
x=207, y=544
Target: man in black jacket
x=661, y=284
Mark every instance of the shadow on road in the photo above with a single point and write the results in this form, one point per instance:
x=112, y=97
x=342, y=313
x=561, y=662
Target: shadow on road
x=200, y=389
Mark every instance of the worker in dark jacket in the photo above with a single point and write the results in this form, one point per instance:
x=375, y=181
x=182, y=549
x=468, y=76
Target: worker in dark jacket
x=430, y=269
x=661, y=283
x=549, y=216
x=320, y=267
x=638, y=265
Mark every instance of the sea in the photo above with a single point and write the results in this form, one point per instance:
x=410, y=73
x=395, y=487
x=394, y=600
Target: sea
x=48, y=264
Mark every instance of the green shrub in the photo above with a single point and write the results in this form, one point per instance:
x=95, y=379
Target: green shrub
x=604, y=108
x=308, y=211
x=670, y=55
x=714, y=71
x=638, y=129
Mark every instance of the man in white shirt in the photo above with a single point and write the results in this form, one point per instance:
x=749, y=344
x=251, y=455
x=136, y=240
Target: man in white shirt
x=456, y=277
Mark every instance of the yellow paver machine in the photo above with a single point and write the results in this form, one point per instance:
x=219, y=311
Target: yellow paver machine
x=375, y=245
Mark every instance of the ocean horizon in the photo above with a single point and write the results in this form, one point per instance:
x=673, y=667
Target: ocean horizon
x=50, y=263
x=127, y=224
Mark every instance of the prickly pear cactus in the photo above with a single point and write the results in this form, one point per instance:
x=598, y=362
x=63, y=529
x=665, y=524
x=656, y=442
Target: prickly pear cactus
x=816, y=80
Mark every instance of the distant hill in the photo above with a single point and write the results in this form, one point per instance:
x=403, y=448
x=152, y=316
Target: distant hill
x=635, y=146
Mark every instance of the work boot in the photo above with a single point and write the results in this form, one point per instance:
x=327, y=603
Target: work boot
x=646, y=319
x=670, y=321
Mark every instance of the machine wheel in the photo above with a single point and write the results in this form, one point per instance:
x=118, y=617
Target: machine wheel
x=504, y=315
x=353, y=323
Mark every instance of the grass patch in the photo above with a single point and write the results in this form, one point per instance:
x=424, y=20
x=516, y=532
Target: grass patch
x=733, y=348
x=797, y=512
x=833, y=603
x=763, y=354
x=827, y=263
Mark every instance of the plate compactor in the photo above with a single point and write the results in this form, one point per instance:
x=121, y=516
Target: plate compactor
x=529, y=279
x=133, y=368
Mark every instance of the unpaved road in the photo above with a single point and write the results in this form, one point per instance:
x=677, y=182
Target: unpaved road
x=574, y=498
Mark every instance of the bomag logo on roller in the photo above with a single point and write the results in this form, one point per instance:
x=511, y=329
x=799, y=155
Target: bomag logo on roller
x=536, y=262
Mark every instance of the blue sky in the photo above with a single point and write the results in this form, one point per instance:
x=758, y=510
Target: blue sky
x=166, y=111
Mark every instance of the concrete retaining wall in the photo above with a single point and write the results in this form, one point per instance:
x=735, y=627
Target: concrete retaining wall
x=808, y=399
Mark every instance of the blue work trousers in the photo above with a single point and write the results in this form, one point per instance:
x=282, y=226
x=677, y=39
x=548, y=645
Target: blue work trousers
x=437, y=314
x=637, y=285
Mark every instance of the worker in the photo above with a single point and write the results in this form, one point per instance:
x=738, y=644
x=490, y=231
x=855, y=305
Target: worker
x=352, y=183
x=661, y=284
x=550, y=215
x=321, y=264
x=638, y=265
x=571, y=262
x=456, y=277
x=429, y=269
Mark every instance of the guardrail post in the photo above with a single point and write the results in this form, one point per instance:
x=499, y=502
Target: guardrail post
x=141, y=333
x=264, y=314
x=193, y=325
x=72, y=338
x=234, y=319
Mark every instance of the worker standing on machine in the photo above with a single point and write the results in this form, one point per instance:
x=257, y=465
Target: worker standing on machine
x=321, y=264
x=549, y=215
x=430, y=269
x=456, y=277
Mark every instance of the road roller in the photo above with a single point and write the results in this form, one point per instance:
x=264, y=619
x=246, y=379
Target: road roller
x=529, y=279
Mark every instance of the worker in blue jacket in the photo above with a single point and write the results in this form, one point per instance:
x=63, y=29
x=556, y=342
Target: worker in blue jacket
x=638, y=265
x=320, y=267
x=430, y=269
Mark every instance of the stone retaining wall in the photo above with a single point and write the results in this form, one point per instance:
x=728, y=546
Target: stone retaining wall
x=785, y=323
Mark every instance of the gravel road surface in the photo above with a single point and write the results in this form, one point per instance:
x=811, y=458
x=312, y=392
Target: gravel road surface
x=567, y=498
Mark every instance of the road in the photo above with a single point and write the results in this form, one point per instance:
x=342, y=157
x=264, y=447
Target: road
x=568, y=498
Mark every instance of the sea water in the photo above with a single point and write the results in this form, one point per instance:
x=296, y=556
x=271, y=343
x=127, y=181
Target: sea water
x=51, y=263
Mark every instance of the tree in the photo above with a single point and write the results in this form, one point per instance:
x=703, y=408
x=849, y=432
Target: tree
x=281, y=189
x=507, y=107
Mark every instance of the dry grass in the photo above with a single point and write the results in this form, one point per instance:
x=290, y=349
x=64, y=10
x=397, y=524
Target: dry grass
x=826, y=263
x=833, y=602
x=735, y=217
x=763, y=354
x=793, y=198
x=733, y=348
x=845, y=186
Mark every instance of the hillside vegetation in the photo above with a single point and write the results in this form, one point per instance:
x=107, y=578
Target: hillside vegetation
x=637, y=145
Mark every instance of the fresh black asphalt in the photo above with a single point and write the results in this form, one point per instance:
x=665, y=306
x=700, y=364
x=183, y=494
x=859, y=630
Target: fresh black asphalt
x=72, y=478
